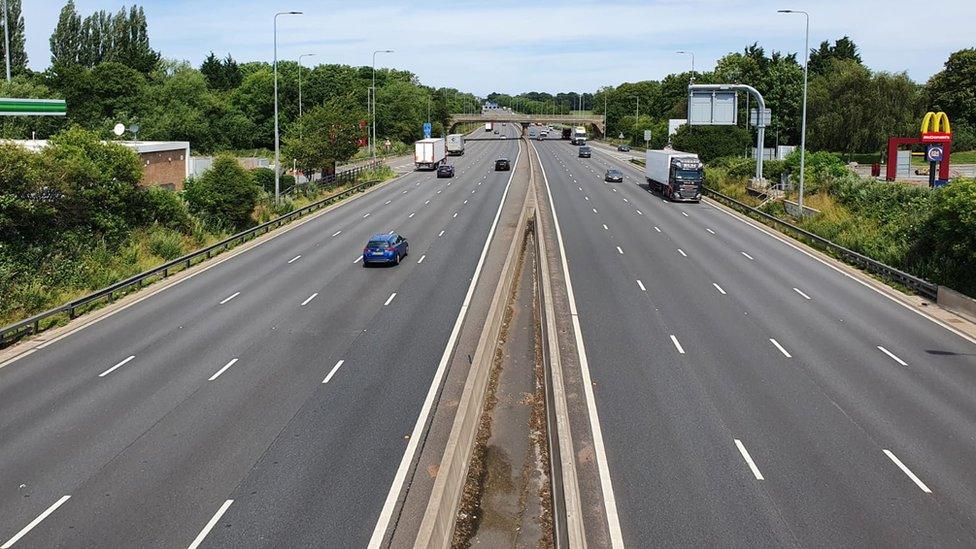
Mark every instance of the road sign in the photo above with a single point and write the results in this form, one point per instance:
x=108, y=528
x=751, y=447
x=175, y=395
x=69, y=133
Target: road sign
x=426, y=130
x=621, y=135
x=766, y=118
x=647, y=135
x=714, y=108
x=32, y=107
x=934, y=153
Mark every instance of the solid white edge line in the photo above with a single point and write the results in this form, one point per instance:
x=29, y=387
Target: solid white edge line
x=210, y=524
x=386, y=514
x=113, y=368
x=784, y=240
x=892, y=355
x=222, y=370
x=296, y=258
x=641, y=284
x=310, y=298
x=610, y=503
x=333, y=371
x=389, y=299
x=799, y=291
x=421, y=260
x=748, y=458
x=677, y=345
x=230, y=297
x=780, y=347
x=918, y=482
x=23, y=532
x=719, y=288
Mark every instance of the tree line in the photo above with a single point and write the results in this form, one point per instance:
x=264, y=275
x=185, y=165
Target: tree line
x=850, y=108
x=103, y=65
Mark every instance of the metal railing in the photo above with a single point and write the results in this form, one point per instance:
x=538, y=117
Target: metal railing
x=920, y=286
x=41, y=321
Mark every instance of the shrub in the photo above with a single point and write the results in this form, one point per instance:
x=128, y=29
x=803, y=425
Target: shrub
x=166, y=243
x=711, y=142
x=167, y=209
x=224, y=195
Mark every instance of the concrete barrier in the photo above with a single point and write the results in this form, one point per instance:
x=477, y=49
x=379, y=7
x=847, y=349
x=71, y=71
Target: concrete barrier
x=962, y=305
x=437, y=526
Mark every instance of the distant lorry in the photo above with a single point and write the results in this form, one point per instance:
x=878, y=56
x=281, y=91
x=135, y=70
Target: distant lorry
x=675, y=174
x=567, y=133
x=578, y=137
x=429, y=153
x=487, y=126
x=455, y=144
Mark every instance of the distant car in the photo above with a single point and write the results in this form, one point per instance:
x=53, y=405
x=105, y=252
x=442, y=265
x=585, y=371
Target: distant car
x=385, y=248
x=504, y=136
x=445, y=171
x=623, y=148
x=584, y=151
x=614, y=176
x=502, y=165
x=496, y=132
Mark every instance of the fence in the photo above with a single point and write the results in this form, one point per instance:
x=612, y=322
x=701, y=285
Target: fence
x=338, y=178
x=922, y=287
x=41, y=321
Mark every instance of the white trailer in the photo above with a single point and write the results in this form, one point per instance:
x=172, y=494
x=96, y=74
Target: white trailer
x=429, y=153
x=487, y=126
x=675, y=174
x=455, y=144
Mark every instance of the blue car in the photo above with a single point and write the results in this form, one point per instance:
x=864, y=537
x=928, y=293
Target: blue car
x=385, y=248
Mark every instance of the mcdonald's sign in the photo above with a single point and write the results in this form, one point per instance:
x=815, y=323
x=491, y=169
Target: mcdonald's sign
x=935, y=128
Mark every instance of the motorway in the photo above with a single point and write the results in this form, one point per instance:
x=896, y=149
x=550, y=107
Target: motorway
x=750, y=394
x=266, y=400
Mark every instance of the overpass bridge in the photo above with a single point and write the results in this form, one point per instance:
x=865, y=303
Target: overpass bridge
x=594, y=122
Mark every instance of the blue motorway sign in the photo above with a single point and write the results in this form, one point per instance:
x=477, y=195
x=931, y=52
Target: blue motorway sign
x=426, y=130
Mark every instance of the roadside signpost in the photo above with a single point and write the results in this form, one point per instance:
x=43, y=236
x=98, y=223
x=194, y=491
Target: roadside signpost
x=427, y=128
x=647, y=138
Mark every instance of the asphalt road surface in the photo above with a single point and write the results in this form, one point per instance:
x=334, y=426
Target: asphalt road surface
x=262, y=402
x=751, y=395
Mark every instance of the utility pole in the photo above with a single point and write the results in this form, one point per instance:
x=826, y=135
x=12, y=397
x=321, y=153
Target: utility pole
x=277, y=139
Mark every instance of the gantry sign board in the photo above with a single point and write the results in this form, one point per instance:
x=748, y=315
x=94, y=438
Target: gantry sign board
x=713, y=108
x=32, y=107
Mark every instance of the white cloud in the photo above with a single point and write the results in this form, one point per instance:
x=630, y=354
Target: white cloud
x=510, y=46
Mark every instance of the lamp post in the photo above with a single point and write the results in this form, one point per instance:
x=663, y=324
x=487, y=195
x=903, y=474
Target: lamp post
x=277, y=140
x=300, y=81
x=692, y=54
x=6, y=37
x=803, y=123
x=372, y=142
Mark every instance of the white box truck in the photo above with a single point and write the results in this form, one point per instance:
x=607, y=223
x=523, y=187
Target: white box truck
x=455, y=144
x=429, y=153
x=675, y=174
x=487, y=126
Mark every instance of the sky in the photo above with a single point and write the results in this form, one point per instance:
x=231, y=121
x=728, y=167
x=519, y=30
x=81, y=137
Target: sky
x=510, y=46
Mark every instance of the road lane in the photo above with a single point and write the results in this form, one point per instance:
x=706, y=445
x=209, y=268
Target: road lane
x=815, y=426
x=151, y=450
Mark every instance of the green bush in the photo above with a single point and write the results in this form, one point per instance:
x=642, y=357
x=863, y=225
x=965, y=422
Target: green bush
x=166, y=243
x=711, y=142
x=225, y=195
x=167, y=209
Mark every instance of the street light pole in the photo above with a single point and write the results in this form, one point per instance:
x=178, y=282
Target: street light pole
x=803, y=123
x=372, y=145
x=300, y=81
x=277, y=139
x=692, y=54
x=6, y=37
